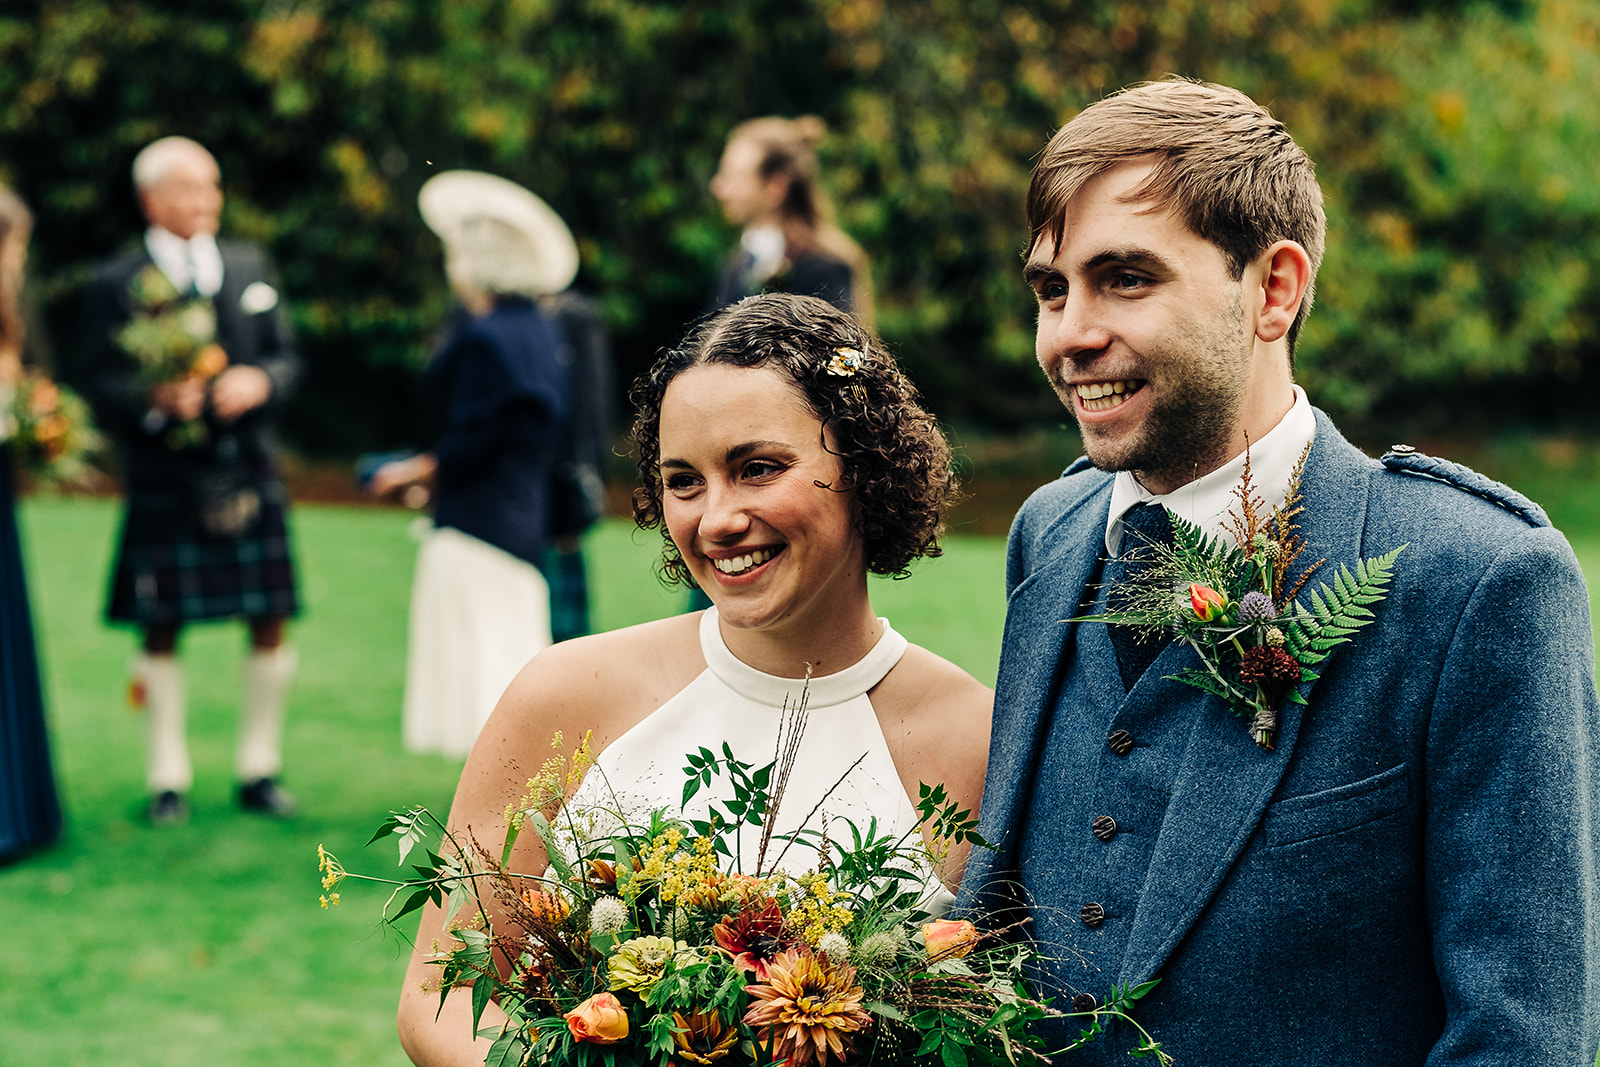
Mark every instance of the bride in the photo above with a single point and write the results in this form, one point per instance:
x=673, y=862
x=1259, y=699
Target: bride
x=784, y=456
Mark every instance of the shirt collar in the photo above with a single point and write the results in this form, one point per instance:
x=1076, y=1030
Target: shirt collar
x=766, y=247
x=1207, y=500
x=197, y=260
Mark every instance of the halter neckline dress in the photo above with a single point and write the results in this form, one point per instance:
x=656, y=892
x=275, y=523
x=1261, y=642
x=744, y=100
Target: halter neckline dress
x=843, y=773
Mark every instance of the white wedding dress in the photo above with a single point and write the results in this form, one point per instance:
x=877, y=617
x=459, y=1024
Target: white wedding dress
x=731, y=702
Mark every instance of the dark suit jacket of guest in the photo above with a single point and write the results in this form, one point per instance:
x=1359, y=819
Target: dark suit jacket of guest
x=109, y=378
x=1409, y=878
x=812, y=273
x=504, y=390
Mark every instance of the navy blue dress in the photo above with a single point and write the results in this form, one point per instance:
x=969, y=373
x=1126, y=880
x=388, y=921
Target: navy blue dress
x=30, y=814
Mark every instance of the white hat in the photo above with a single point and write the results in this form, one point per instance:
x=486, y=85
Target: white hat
x=454, y=201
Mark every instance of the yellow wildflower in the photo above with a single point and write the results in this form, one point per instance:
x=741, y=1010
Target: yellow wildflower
x=556, y=776
x=332, y=870
x=818, y=911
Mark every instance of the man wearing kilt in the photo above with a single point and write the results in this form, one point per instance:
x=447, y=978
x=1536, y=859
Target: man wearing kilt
x=186, y=355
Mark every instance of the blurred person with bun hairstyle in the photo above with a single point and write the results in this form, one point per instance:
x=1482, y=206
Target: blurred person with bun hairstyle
x=30, y=812
x=768, y=184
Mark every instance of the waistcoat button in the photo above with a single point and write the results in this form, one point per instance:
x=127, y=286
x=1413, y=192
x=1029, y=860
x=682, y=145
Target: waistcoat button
x=1121, y=742
x=1084, y=1002
x=1104, y=827
x=1092, y=915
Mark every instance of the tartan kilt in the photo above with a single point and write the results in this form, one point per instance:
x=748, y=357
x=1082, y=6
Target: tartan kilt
x=170, y=570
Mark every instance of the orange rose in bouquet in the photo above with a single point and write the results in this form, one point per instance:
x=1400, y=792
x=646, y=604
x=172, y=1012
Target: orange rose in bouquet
x=599, y=1020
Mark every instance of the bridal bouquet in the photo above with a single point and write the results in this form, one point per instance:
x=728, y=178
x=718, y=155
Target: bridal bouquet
x=1230, y=600
x=172, y=337
x=50, y=431
x=648, y=944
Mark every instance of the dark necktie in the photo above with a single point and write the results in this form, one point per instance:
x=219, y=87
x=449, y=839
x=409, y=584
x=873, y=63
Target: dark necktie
x=193, y=289
x=1143, y=525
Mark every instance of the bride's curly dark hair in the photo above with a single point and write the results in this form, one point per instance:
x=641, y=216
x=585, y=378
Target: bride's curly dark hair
x=893, y=454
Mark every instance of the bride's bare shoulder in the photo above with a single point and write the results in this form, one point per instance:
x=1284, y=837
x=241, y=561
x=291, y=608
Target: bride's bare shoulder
x=935, y=717
x=929, y=685
x=604, y=683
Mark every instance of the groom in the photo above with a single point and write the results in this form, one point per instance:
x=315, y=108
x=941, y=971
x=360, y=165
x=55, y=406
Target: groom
x=1409, y=875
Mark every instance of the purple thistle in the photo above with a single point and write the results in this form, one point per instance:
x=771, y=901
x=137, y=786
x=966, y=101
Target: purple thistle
x=1256, y=606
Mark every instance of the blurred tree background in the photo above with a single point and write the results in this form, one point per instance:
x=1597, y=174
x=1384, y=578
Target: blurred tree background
x=1453, y=141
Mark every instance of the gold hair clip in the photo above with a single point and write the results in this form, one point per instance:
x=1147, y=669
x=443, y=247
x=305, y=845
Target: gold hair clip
x=846, y=361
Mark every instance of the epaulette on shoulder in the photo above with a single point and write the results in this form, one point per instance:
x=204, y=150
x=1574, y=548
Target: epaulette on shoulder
x=1076, y=466
x=1404, y=459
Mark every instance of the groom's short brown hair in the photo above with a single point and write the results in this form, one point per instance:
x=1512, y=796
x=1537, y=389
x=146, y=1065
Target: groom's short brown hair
x=1223, y=164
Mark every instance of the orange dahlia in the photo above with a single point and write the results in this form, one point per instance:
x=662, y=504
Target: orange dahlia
x=807, y=1009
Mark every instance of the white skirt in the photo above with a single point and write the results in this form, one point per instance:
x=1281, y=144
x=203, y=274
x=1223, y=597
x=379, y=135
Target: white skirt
x=478, y=614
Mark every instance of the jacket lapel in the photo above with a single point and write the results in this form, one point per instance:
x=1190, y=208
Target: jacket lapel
x=1224, y=781
x=1038, y=643
x=226, y=305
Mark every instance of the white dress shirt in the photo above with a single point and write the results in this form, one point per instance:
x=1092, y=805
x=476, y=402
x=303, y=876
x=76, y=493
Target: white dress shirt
x=196, y=260
x=766, y=247
x=1207, y=500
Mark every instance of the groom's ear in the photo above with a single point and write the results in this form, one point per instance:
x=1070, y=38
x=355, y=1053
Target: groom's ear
x=1280, y=278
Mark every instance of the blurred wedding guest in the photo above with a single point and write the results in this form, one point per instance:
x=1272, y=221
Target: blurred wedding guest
x=186, y=356
x=767, y=183
x=480, y=607
x=30, y=813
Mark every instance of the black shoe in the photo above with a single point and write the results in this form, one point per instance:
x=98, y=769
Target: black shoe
x=268, y=797
x=168, y=808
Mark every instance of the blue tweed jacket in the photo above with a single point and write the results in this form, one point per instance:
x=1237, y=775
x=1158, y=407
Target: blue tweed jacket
x=1409, y=878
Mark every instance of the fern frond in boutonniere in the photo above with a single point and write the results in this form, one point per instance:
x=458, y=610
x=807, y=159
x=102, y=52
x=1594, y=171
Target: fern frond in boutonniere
x=1229, y=599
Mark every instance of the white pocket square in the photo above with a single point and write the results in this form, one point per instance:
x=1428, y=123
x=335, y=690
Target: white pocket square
x=258, y=297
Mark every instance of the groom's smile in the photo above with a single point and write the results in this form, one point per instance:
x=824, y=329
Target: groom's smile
x=1103, y=396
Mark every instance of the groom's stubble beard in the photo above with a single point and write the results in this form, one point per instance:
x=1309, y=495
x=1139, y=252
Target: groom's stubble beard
x=1190, y=429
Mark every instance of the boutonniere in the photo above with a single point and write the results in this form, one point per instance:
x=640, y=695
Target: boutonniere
x=1229, y=599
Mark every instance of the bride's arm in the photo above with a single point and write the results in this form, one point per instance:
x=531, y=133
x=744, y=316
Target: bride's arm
x=602, y=684
x=547, y=696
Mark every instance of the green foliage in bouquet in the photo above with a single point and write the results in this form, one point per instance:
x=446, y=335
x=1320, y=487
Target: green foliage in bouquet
x=171, y=336
x=648, y=943
x=1226, y=598
x=51, y=432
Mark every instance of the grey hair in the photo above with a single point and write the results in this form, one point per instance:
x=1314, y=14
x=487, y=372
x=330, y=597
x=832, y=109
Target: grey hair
x=487, y=256
x=155, y=160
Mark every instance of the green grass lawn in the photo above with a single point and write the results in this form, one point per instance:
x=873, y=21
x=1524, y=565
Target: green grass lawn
x=204, y=944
